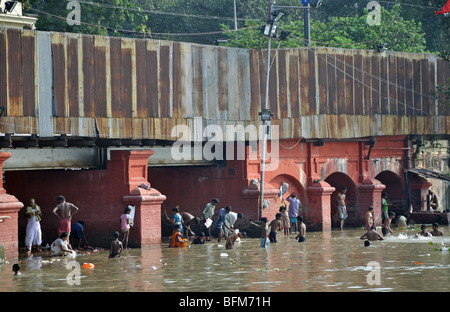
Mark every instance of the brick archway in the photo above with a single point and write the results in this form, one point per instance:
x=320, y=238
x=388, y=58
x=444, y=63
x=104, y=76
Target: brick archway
x=338, y=180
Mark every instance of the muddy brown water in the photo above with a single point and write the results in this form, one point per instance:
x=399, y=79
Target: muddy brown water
x=327, y=262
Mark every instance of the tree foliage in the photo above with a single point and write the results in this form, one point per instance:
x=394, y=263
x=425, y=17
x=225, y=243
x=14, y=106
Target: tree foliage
x=407, y=25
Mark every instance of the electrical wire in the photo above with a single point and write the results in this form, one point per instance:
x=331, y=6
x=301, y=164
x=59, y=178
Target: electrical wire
x=109, y=6
x=140, y=32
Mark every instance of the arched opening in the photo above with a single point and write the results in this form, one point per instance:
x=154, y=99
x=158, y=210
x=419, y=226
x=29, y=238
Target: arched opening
x=395, y=189
x=338, y=180
x=294, y=187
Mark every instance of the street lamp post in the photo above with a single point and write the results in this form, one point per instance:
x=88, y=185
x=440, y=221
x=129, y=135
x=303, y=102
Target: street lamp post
x=266, y=114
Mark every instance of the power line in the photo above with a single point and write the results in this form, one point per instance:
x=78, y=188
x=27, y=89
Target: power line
x=109, y=6
x=140, y=32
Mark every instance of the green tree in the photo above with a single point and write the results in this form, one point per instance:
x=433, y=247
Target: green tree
x=395, y=32
x=102, y=17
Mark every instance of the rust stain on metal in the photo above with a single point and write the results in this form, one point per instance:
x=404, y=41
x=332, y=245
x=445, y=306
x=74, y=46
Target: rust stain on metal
x=136, y=88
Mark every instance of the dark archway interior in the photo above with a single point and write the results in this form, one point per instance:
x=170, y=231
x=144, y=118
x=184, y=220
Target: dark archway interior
x=338, y=180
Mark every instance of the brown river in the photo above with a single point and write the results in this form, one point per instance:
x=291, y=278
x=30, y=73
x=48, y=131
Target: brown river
x=327, y=262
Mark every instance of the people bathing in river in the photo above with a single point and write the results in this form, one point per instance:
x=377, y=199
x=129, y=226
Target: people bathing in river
x=275, y=225
x=61, y=246
x=386, y=228
x=435, y=231
x=177, y=240
x=423, y=232
x=78, y=234
x=208, y=213
x=372, y=235
x=301, y=230
x=264, y=231
x=285, y=224
x=220, y=222
x=231, y=239
x=369, y=219
x=294, y=206
x=116, y=246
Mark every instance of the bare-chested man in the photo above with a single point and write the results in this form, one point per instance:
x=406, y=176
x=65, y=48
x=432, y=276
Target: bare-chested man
x=372, y=235
x=340, y=203
x=64, y=211
x=369, y=219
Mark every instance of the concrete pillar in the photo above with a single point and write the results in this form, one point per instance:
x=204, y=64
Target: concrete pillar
x=369, y=195
x=147, y=219
x=9, y=211
x=319, y=200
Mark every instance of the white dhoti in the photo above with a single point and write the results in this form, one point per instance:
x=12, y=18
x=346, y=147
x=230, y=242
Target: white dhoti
x=34, y=234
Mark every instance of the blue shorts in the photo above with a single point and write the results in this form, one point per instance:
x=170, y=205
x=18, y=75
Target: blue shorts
x=273, y=237
x=293, y=219
x=262, y=245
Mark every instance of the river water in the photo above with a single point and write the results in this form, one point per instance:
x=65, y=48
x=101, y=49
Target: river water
x=328, y=262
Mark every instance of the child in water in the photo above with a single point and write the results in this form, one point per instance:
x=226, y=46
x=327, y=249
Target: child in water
x=285, y=224
x=264, y=232
x=116, y=246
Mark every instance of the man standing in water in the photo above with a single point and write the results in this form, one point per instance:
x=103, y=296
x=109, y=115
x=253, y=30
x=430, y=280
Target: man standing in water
x=340, y=203
x=294, y=204
x=64, y=211
x=208, y=212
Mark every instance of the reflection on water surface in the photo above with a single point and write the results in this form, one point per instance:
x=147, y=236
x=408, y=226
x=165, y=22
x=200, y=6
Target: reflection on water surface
x=327, y=262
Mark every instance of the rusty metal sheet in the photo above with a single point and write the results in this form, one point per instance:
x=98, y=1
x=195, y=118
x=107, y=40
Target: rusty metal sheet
x=392, y=84
x=340, y=83
x=222, y=83
x=417, y=88
x=15, y=73
x=59, y=73
x=176, y=80
x=304, y=87
x=358, y=84
x=88, y=69
x=141, y=78
x=255, y=95
x=210, y=86
x=293, y=87
x=349, y=80
x=152, y=80
x=243, y=80
x=164, y=80
x=384, y=91
x=100, y=50
x=233, y=85
x=375, y=73
x=73, y=79
x=29, y=83
x=322, y=68
x=282, y=83
x=126, y=107
x=197, y=81
x=367, y=83
x=409, y=87
x=3, y=71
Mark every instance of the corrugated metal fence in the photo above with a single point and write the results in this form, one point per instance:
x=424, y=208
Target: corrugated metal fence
x=95, y=86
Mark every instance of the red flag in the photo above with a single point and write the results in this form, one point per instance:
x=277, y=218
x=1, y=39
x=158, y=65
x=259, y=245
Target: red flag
x=445, y=9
